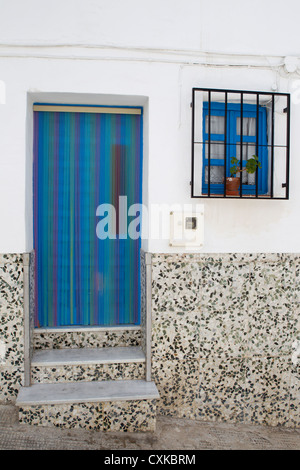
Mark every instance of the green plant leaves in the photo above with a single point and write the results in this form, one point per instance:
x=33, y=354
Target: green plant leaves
x=250, y=166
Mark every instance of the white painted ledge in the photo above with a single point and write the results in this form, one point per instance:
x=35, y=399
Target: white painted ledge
x=81, y=356
x=87, y=392
x=85, y=329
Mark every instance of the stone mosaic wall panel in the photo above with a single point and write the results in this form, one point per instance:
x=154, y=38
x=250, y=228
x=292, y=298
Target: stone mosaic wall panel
x=82, y=415
x=86, y=339
x=11, y=326
x=31, y=296
x=88, y=373
x=225, y=336
x=143, y=301
x=131, y=416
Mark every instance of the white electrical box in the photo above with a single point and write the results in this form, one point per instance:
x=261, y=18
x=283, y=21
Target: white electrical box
x=187, y=228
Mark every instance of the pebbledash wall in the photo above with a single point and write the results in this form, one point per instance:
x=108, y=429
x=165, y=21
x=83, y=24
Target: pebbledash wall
x=225, y=318
x=12, y=352
x=224, y=336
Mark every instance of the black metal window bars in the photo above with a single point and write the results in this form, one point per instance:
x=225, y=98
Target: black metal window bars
x=270, y=114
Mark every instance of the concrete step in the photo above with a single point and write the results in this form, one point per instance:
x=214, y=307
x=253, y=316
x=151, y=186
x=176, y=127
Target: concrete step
x=48, y=394
x=87, y=364
x=128, y=405
x=80, y=356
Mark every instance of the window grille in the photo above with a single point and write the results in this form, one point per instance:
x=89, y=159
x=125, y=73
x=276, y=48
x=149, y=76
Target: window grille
x=233, y=127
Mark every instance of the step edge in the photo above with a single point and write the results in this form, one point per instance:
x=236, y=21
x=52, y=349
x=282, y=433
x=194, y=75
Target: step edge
x=85, y=329
x=135, y=350
x=88, y=400
x=87, y=362
x=147, y=395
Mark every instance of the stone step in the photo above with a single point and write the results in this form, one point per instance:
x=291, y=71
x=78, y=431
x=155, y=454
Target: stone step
x=48, y=394
x=87, y=364
x=80, y=356
x=109, y=406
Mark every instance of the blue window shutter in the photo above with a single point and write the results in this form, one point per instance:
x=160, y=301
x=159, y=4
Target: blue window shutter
x=233, y=112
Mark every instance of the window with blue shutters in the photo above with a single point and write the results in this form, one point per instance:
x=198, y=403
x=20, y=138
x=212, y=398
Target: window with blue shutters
x=236, y=128
x=231, y=137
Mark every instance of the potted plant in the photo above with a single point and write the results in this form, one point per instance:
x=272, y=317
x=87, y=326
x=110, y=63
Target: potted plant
x=233, y=181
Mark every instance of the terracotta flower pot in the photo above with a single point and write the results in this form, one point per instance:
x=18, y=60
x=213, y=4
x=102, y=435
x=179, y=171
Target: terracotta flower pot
x=232, y=186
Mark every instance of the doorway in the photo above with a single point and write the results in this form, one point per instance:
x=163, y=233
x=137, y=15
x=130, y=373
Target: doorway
x=86, y=158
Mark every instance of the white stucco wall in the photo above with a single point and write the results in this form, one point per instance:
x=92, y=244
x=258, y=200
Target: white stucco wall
x=228, y=26
x=151, y=54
